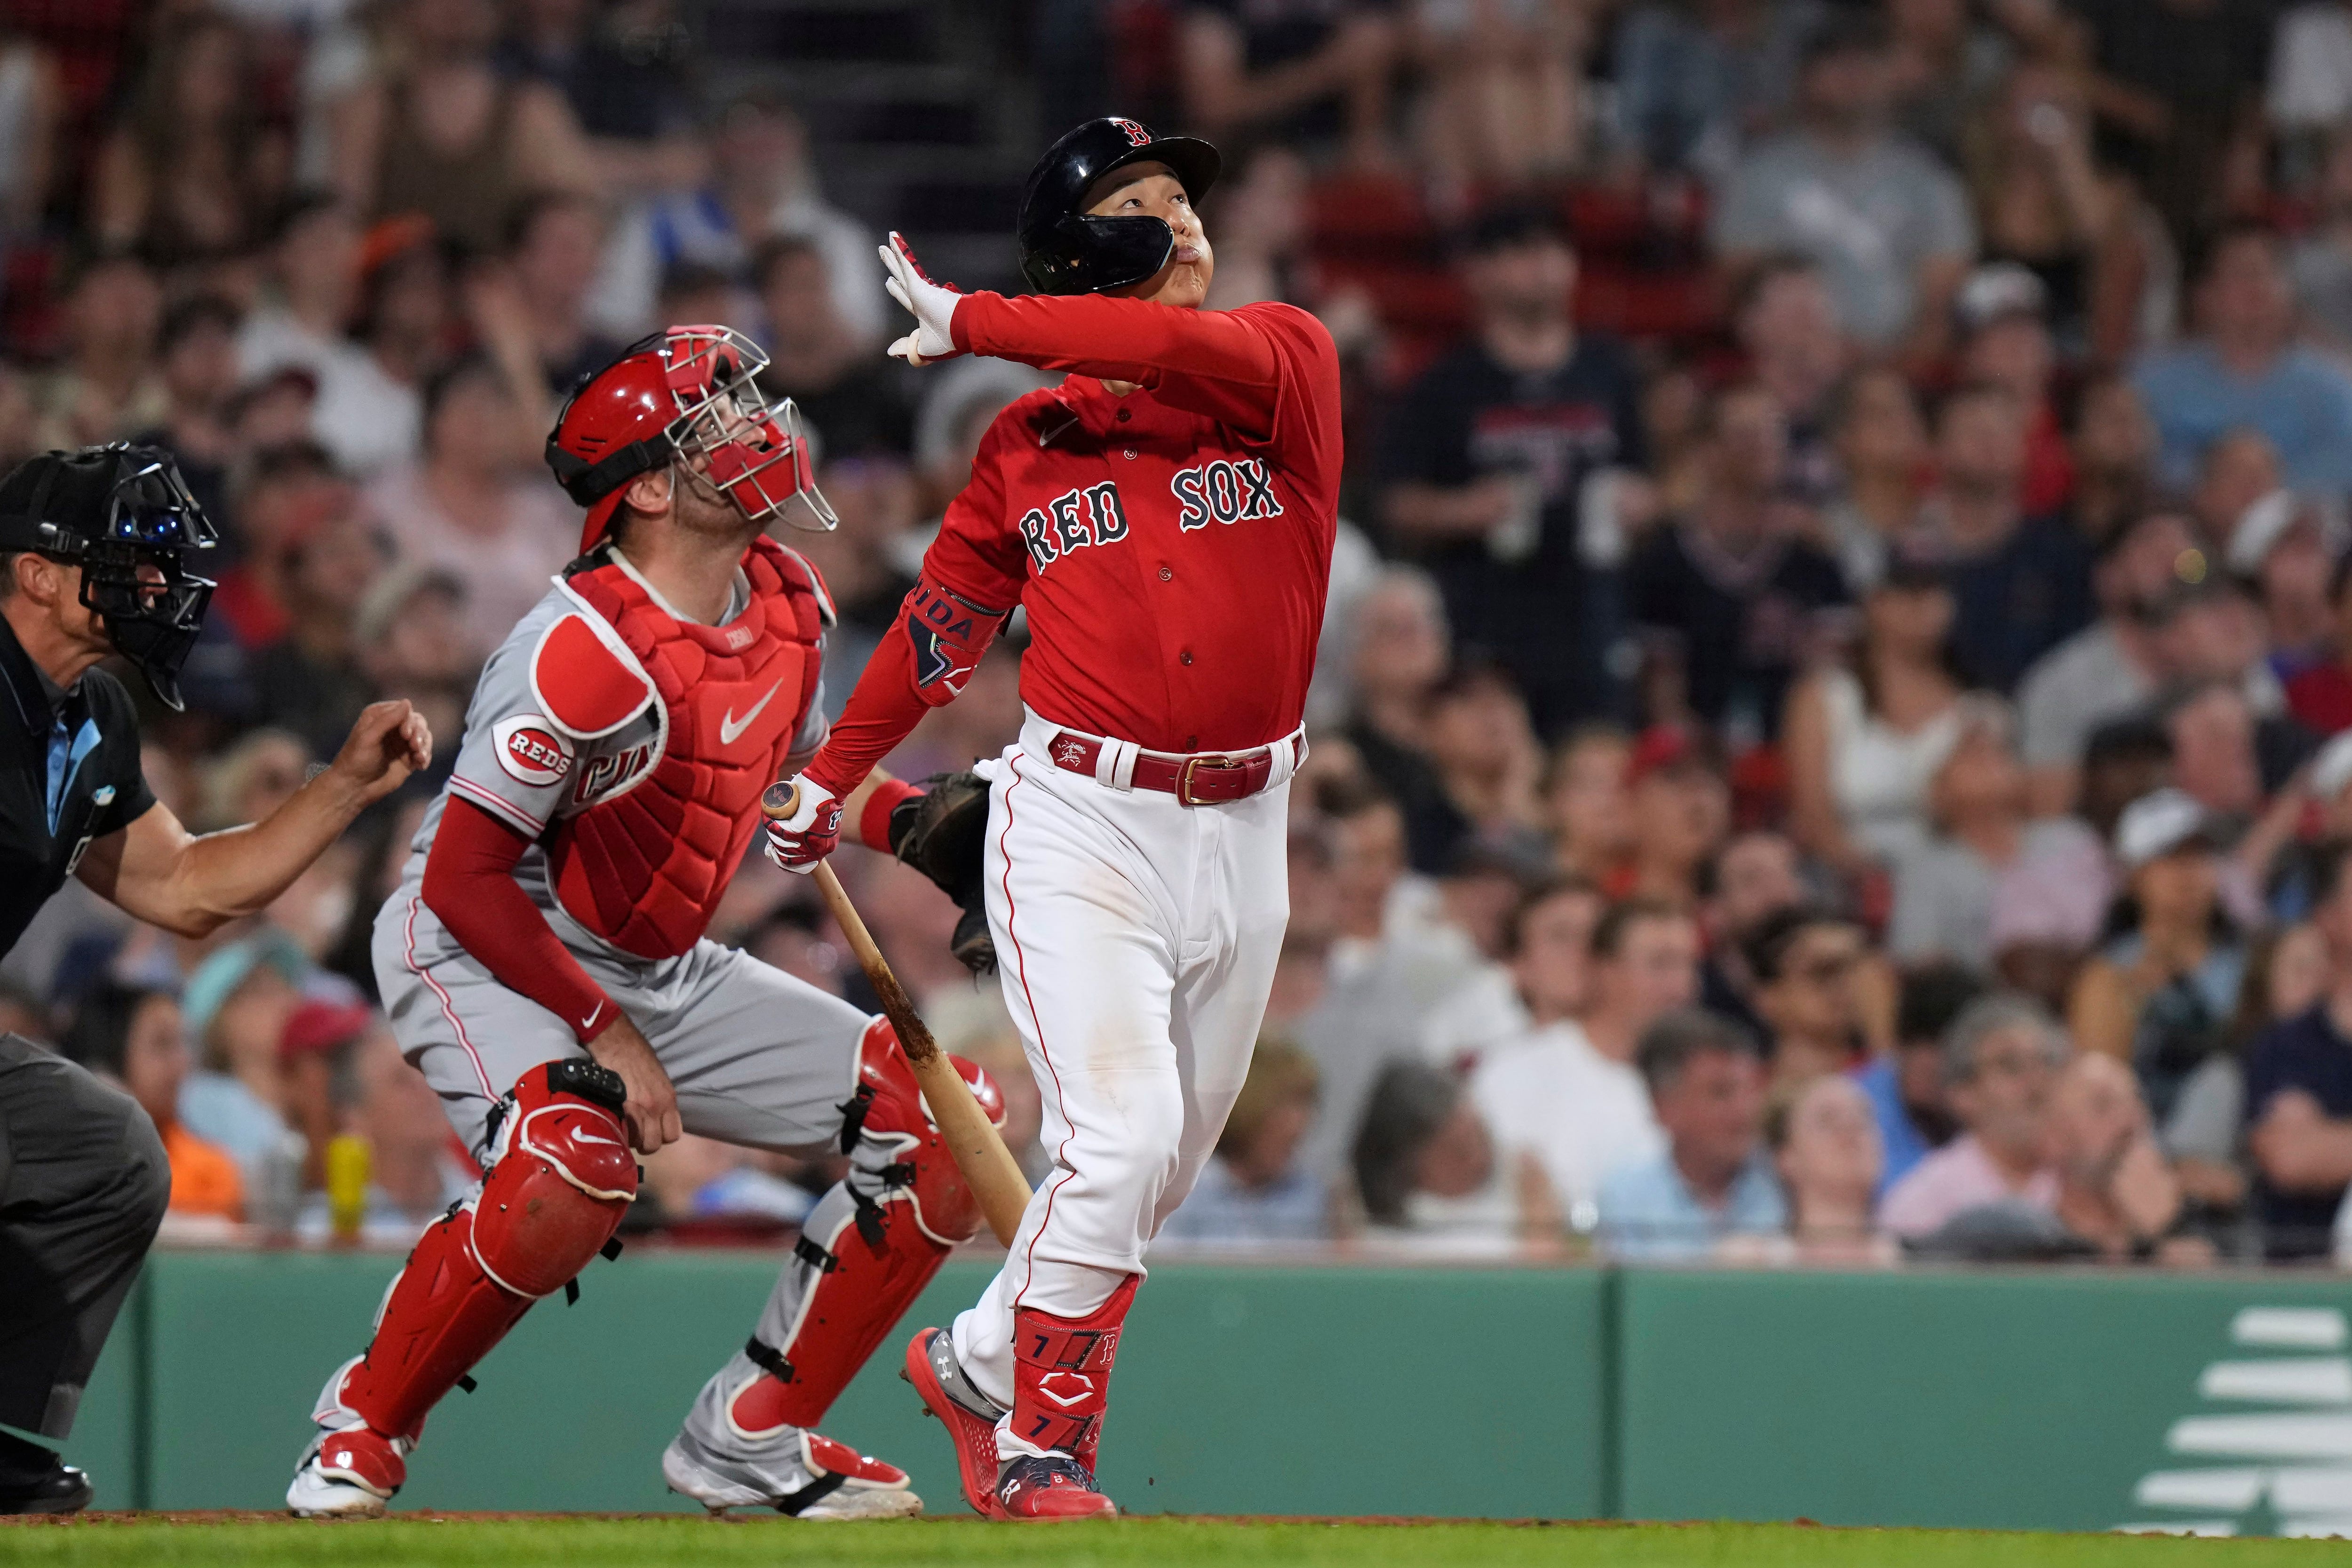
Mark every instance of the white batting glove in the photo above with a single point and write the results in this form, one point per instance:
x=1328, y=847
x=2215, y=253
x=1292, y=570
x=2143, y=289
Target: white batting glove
x=811, y=832
x=933, y=305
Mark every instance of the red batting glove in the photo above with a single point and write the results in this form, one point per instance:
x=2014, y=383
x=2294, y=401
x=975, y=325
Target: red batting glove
x=810, y=833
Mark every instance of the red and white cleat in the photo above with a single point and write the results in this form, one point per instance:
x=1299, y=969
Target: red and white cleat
x=1051, y=1487
x=350, y=1474
x=970, y=1415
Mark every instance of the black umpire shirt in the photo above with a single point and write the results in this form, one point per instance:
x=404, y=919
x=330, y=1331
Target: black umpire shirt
x=68, y=775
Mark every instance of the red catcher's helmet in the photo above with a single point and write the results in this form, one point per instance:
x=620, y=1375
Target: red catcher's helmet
x=684, y=393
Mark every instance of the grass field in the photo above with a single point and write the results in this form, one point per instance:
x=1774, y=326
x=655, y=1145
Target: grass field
x=105, y=1540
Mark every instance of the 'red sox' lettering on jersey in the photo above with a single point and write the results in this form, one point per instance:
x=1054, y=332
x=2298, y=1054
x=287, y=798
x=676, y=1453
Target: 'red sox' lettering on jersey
x=1229, y=492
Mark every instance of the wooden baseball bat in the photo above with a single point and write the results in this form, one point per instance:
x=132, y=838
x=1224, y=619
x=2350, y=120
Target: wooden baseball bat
x=987, y=1166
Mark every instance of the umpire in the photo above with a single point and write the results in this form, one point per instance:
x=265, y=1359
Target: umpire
x=92, y=548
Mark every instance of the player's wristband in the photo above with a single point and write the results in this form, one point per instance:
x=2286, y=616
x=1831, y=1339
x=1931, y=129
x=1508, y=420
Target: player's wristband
x=874, y=821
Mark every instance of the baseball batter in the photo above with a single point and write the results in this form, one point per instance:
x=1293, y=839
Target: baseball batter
x=543, y=962
x=1166, y=518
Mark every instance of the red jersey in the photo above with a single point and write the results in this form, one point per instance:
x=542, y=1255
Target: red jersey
x=1173, y=547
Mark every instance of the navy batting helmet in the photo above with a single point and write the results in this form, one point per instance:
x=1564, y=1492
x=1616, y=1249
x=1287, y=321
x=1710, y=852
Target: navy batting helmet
x=1064, y=251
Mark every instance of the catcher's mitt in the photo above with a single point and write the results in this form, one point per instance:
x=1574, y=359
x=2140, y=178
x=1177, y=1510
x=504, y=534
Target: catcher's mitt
x=940, y=833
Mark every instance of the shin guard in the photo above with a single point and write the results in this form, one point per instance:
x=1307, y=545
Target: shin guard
x=1061, y=1375
x=868, y=1249
x=561, y=1176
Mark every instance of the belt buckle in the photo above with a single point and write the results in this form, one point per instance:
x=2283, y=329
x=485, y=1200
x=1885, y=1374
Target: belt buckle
x=1184, y=777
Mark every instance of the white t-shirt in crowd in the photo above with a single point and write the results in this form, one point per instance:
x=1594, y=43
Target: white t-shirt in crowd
x=1579, y=1113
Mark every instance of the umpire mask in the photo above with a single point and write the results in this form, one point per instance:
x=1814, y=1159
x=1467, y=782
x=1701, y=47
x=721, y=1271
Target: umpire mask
x=123, y=515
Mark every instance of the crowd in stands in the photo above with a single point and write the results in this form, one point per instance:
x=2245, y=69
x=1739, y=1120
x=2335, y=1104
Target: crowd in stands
x=1833, y=734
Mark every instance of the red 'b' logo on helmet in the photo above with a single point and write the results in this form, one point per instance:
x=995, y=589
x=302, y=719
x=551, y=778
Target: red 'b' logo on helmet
x=1137, y=136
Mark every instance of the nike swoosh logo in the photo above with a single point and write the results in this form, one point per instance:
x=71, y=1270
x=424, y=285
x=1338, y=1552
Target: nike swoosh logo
x=582, y=1135
x=730, y=727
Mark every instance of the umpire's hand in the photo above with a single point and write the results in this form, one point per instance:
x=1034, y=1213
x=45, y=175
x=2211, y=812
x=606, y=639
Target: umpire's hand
x=652, y=1106
x=390, y=741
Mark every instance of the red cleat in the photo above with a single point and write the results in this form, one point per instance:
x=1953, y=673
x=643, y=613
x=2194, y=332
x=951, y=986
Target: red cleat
x=970, y=1417
x=1051, y=1487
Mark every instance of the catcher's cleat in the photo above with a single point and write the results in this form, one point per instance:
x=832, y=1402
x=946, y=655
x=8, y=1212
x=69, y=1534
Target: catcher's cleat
x=350, y=1474
x=794, y=1471
x=970, y=1415
x=1051, y=1488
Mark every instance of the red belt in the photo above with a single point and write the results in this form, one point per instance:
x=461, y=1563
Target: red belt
x=1205, y=778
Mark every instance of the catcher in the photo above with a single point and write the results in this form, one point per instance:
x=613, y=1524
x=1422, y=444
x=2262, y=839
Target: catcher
x=543, y=962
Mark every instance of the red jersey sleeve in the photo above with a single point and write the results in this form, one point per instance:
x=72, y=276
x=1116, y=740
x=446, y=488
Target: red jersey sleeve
x=1263, y=370
x=470, y=884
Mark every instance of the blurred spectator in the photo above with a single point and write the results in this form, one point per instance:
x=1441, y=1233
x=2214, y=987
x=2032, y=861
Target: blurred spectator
x=197, y=350
x=1261, y=229
x=2299, y=1088
x=1577, y=1107
x=2051, y=213
x=762, y=185
x=1504, y=104
x=32, y=104
x=2001, y=1056
x=370, y=412
x=1887, y=223
x=311, y=681
x=1291, y=70
x=2159, y=994
x=1487, y=765
x=1681, y=810
x=436, y=130
x=1805, y=961
x=1425, y=1166
x=843, y=388
x=1908, y=1097
x=1789, y=326
x=1695, y=81
x=1731, y=601
x=312, y=280
x=1863, y=744
x=553, y=241
x=2310, y=89
x=2321, y=695
x=414, y=637
x=2020, y=585
x=1825, y=1148
x=467, y=508
x=1254, y=1189
x=959, y=401
x=2114, y=451
x=2238, y=469
x=108, y=386
x=235, y=1004
x=1586, y=803
x=2243, y=370
x=2319, y=262
x=619, y=70
x=1753, y=877
x=2115, y=1193
x=2002, y=311
x=192, y=169
x=2214, y=758
x=2180, y=82
x=2205, y=1135
x=2284, y=552
x=135, y=1037
x=414, y=1170
x=1397, y=656
x=2111, y=666
x=276, y=495
x=1880, y=442
x=1542, y=976
x=1714, y=1178
x=1488, y=454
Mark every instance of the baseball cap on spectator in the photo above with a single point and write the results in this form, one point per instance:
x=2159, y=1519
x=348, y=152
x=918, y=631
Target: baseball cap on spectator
x=2268, y=520
x=1995, y=291
x=320, y=1025
x=216, y=979
x=2159, y=822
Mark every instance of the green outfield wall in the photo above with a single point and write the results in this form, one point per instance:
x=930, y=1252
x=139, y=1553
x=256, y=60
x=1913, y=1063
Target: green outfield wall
x=2061, y=1400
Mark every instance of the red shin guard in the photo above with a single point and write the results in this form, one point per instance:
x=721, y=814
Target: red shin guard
x=1061, y=1375
x=865, y=1259
x=561, y=1177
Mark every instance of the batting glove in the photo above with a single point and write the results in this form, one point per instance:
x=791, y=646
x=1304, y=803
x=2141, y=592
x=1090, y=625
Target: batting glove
x=933, y=305
x=810, y=833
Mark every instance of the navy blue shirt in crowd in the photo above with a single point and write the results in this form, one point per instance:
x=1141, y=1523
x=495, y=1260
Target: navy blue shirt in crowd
x=1741, y=624
x=2302, y=1052
x=2016, y=602
x=1550, y=619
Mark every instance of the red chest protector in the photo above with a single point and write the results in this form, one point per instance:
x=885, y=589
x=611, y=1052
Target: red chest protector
x=656, y=831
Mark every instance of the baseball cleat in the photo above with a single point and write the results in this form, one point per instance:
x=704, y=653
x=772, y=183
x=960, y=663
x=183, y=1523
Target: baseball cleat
x=1051, y=1487
x=350, y=1474
x=970, y=1415
x=798, y=1473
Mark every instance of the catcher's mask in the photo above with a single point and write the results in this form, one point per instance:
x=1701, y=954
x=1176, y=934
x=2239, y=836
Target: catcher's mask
x=685, y=392
x=123, y=515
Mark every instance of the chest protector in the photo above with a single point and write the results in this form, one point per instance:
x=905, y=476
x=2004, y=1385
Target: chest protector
x=647, y=846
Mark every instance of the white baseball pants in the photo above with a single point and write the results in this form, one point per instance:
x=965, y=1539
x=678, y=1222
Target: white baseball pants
x=1136, y=940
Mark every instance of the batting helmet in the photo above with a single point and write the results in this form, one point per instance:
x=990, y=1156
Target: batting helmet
x=1062, y=250
x=123, y=515
x=683, y=392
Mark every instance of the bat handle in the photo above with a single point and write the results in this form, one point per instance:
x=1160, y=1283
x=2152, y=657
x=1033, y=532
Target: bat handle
x=779, y=800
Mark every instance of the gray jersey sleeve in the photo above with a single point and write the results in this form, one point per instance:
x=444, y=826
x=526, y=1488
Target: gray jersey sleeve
x=514, y=761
